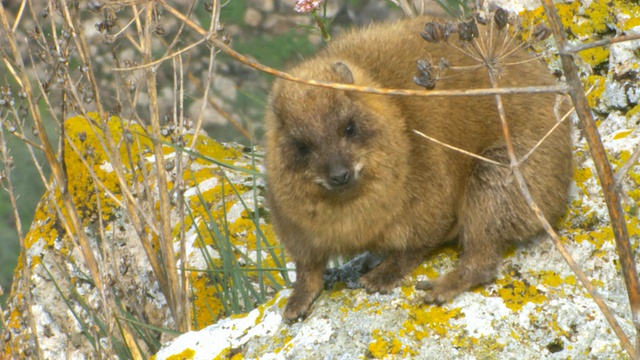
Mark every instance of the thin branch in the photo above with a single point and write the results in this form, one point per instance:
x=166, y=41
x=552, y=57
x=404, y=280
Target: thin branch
x=216, y=107
x=533, y=149
x=7, y=184
x=626, y=344
x=479, y=157
x=622, y=172
x=561, y=88
x=603, y=168
x=162, y=59
x=598, y=43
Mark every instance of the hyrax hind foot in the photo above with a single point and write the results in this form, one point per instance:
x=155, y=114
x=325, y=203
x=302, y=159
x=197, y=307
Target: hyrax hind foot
x=391, y=271
x=446, y=287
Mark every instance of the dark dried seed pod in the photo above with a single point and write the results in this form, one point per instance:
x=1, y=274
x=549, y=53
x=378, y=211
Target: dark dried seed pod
x=501, y=17
x=481, y=19
x=424, y=66
x=429, y=32
x=468, y=31
x=443, y=64
x=159, y=30
x=447, y=29
x=541, y=32
x=426, y=77
x=208, y=6
x=424, y=81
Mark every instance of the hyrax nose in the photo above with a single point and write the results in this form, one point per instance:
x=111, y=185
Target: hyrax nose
x=339, y=175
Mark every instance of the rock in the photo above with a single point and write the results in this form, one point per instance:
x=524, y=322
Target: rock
x=71, y=316
x=263, y=5
x=278, y=24
x=252, y=17
x=536, y=308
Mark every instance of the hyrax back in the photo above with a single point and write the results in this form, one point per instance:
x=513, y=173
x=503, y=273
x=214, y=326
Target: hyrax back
x=346, y=172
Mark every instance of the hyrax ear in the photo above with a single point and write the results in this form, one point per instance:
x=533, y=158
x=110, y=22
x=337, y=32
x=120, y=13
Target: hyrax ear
x=344, y=73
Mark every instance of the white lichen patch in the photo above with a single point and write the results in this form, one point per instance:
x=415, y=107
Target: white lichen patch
x=227, y=334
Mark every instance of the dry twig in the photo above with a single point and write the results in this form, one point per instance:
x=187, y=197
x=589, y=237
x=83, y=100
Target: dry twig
x=603, y=168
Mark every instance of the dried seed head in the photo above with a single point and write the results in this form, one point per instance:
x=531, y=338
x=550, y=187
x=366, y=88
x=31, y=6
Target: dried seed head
x=95, y=5
x=208, y=6
x=501, y=17
x=159, y=30
x=426, y=75
x=435, y=32
x=443, y=64
x=429, y=32
x=541, y=32
x=468, y=31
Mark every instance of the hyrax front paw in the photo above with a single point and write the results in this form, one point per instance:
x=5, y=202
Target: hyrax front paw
x=298, y=306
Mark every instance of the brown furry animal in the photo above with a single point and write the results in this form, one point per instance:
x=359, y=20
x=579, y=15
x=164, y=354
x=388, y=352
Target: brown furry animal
x=346, y=173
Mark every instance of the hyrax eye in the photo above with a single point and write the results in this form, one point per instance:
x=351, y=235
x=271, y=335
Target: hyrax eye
x=350, y=130
x=301, y=147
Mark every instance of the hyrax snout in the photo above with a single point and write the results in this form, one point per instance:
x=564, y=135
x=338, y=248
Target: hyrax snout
x=347, y=173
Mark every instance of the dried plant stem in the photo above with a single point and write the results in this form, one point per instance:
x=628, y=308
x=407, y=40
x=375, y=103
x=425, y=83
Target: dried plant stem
x=57, y=170
x=195, y=81
x=7, y=184
x=479, y=157
x=622, y=172
x=174, y=295
x=603, y=42
x=177, y=191
x=406, y=7
x=533, y=149
x=603, y=168
x=524, y=189
x=561, y=88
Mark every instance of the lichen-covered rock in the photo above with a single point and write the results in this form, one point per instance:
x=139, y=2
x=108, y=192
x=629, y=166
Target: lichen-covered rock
x=536, y=308
x=71, y=317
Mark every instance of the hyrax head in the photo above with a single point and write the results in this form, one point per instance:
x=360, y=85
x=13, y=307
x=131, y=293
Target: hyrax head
x=335, y=142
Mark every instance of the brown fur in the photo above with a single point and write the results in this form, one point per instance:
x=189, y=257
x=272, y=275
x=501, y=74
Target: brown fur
x=405, y=195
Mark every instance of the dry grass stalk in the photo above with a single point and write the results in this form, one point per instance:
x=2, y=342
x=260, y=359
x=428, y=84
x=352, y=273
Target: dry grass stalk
x=603, y=168
x=7, y=185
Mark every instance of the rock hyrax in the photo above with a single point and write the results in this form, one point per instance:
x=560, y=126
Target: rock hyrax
x=347, y=174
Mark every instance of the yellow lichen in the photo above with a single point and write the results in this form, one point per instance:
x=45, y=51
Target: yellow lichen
x=436, y=317
x=186, y=354
x=516, y=293
x=594, y=86
x=386, y=345
x=207, y=307
x=635, y=111
x=595, y=56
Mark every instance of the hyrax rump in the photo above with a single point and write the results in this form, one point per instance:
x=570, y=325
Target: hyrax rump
x=347, y=174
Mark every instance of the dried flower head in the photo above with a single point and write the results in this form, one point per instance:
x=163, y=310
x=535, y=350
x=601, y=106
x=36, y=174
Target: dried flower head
x=426, y=75
x=501, y=17
x=436, y=32
x=541, y=32
x=468, y=31
x=473, y=41
x=307, y=6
